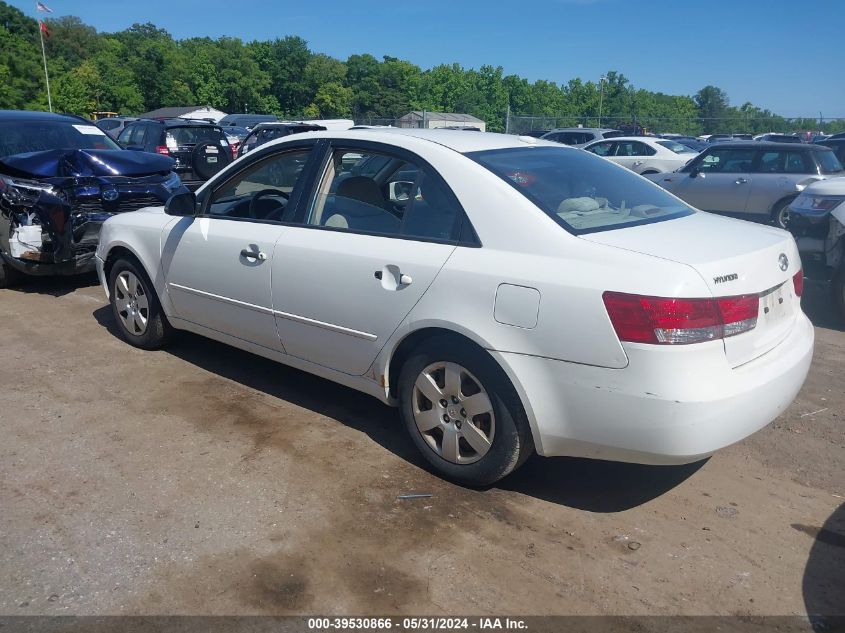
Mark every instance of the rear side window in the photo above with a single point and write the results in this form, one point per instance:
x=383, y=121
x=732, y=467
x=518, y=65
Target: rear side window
x=401, y=198
x=831, y=162
x=633, y=148
x=580, y=192
x=784, y=162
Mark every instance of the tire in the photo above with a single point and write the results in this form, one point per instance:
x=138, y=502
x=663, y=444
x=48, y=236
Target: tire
x=135, y=306
x=9, y=276
x=203, y=155
x=498, y=426
x=780, y=213
x=649, y=172
x=837, y=288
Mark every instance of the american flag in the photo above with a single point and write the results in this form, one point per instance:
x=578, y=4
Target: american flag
x=40, y=6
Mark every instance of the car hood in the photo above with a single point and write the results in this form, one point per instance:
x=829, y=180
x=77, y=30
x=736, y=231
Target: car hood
x=80, y=163
x=830, y=187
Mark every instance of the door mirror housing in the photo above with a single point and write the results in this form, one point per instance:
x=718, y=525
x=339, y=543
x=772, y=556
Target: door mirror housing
x=694, y=172
x=181, y=204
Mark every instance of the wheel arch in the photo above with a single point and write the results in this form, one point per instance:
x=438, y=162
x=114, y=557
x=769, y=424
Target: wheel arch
x=414, y=339
x=120, y=249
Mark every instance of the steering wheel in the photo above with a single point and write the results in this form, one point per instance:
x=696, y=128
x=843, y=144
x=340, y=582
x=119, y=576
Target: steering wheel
x=260, y=194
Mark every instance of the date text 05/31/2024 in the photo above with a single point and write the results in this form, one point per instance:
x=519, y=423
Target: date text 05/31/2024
x=415, y=624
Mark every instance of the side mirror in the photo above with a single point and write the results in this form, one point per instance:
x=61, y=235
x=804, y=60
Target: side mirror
x=694, y=172
x=400, y=191
x=181, y=204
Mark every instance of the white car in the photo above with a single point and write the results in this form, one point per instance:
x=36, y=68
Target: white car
x=508, y=294
x=644, y=155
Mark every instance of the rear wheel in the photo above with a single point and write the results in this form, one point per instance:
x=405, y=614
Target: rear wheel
x=462, y=413
x=136, y=307
x=780, y=213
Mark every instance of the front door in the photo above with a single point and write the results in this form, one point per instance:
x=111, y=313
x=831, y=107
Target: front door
x=372, y=240
x=218, y=265
x=723, y=181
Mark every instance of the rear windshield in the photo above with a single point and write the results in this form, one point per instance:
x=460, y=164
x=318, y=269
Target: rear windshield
x=20, y=137
x=677, y=147
x=829, y=163
x=580, y=191
x=195, y=134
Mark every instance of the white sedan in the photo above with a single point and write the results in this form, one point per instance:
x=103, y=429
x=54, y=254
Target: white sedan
x=644, y=154
x=510, y=295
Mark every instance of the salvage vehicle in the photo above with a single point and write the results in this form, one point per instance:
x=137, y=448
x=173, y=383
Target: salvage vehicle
x=61, y=177
x=199, y=148
x=580, y=136
x=817, y=219
x=755, y=180
x=508, y=294
x=644, y=155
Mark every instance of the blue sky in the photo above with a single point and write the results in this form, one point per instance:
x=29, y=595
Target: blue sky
x=783, y=55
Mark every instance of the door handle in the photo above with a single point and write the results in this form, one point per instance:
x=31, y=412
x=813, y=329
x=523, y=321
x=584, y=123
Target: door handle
x=257, y=255
x=741, y=181
x=638, y=163
x=392, y=278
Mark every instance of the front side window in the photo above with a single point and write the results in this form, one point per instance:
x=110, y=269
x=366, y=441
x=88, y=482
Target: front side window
x=375, y=192
x=725, y=161
x=602, y=149
x=580, y=192
x=262, y=191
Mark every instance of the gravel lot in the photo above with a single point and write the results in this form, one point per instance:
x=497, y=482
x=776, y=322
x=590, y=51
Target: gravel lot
x=202, y=479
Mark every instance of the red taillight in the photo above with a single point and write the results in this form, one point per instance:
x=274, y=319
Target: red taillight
x=162, y=149
x=798, y=283
x=234, y=147
x=670, y=321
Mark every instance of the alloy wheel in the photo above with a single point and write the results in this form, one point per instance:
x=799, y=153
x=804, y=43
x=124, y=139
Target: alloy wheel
x=131, y=302
x=453, y=413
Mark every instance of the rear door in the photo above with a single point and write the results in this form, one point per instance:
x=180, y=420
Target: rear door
x=722, y=182
x=776, y=173
x=634, y=155
x=365, y=250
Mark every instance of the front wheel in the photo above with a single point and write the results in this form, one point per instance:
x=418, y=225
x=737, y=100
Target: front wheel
x=462, y=413
x=9, y=276
x=136, y=307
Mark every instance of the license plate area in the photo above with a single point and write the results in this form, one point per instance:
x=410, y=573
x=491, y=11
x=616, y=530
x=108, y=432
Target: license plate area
x=775, y=307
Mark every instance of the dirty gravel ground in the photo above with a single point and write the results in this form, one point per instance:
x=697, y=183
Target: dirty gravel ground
x=202, y=479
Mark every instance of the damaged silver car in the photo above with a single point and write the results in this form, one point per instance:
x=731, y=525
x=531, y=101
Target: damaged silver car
x=61, y=177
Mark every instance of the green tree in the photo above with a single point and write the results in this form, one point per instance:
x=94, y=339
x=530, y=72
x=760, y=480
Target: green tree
x=712, y=104
x=79, y=91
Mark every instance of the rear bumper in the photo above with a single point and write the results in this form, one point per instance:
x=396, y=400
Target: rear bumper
x=669, y=406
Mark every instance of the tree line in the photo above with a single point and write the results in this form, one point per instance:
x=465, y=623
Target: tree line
x=143, y=68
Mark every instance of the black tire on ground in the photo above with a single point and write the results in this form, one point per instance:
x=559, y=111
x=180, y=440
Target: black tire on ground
x=209, y=158
x=158, y=331
x=9, y=276
x=512, y=442
x=837, y=289
x=780, y=213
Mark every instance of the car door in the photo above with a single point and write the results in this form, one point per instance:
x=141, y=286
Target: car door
x=366, y=248
x=776, y=175
x=718, y=180
x=633, y=154
x=605, y=149
x=217, y=266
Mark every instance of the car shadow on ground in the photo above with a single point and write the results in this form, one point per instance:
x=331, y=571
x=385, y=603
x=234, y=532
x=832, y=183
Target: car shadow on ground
x=824, y=576
x=55, y=286
x=593, y=485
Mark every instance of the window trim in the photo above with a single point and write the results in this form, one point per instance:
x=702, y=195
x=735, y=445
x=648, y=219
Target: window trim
x=315, y=146
x=465, y=232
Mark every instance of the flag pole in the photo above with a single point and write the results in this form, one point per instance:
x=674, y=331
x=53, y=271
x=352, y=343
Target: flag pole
x=44, y=57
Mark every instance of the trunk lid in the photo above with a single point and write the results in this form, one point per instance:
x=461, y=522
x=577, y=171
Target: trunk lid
x=733, y=257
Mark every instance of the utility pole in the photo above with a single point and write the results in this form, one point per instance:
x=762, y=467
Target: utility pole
x=601, y=95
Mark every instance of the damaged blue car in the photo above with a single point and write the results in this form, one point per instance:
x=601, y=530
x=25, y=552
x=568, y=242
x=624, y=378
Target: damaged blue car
x=61, y=177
